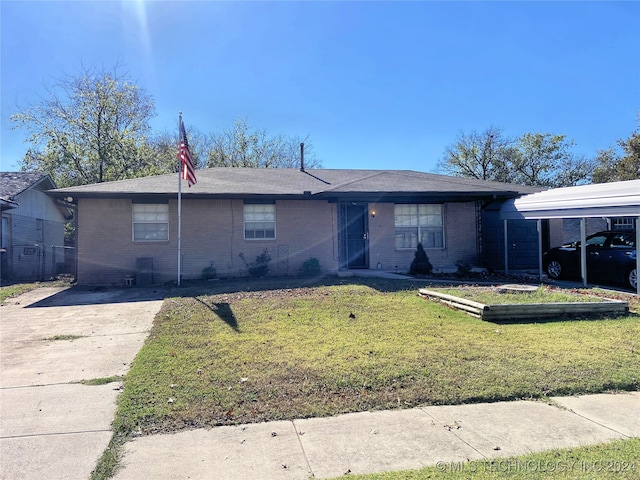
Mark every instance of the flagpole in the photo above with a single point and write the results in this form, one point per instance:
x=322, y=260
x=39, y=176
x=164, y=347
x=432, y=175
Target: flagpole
x=179, y=204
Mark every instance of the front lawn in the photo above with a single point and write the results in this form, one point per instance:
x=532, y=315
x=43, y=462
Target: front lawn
x=271, y=354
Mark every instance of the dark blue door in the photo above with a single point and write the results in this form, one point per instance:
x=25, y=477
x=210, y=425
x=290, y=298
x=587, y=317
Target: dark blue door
x=355, y=235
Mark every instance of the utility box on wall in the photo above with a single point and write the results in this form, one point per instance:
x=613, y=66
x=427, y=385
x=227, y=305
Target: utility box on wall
x=144, y=271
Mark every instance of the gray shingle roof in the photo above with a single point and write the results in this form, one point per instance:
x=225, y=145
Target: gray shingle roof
x=13, y=184
x=290, y=181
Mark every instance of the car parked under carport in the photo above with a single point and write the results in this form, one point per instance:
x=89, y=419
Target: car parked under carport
x=611, y=257
x=608, y=200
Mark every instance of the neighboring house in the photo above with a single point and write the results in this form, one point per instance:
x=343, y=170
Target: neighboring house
x=346, y=219
x=32, y=229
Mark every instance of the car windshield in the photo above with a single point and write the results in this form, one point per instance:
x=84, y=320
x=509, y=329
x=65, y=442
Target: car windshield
x=596, y=240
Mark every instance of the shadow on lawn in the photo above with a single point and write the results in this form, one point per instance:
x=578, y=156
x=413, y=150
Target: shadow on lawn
x=224, y=312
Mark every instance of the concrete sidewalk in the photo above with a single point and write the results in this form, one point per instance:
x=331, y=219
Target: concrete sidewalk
x=371, y=442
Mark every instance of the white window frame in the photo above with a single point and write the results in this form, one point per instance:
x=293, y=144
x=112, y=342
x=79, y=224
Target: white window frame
x=259, y=217
x=623, y=223
x=416, y=221
x=146, y=216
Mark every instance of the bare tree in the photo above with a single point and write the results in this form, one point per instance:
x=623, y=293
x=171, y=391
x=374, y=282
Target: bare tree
x=540, y=159
x=243, y=147
x=485, y=156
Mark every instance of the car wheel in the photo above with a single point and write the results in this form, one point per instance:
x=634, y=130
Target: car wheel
x=554, y=269
x=632, y=278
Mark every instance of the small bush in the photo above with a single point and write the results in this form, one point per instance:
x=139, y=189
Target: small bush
x=463, y=268
x=420, y=264
x=260, y=268
x=209, y=273
x=310, y=267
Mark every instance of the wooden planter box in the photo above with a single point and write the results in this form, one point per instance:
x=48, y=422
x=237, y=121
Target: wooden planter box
x=519, y=311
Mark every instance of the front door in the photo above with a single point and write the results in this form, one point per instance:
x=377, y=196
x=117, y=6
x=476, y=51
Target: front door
x=355, y=235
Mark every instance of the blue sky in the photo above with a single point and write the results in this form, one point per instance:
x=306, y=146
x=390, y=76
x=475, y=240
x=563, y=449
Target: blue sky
x=374, y=84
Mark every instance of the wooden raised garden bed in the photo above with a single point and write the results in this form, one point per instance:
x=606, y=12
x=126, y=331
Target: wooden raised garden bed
x=520, y=311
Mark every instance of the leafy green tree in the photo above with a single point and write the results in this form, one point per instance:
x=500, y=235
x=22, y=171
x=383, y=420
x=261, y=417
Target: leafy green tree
x=613, y=166
x=544, y=159
x=485, y=156
x=164, y=148
x=538, y=159
x=91, y=128
x=242, y=146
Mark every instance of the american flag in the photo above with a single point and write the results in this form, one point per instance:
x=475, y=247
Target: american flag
x=186, y=164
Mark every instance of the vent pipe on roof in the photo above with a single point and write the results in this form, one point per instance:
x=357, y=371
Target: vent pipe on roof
x=302, y=157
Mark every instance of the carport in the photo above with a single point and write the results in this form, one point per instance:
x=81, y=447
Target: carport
x=602, y=200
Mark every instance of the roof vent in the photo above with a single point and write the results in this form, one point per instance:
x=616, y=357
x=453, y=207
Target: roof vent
x=302, y=157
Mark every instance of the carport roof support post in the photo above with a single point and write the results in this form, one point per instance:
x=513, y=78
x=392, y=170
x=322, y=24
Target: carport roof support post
x=506, y=248
x=637, y=254
x=583, y=251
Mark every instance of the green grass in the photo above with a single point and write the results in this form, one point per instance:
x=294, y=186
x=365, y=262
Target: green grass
x=231, y=358
x=102, y=380
x=109, y=462
x=63, y=337
x=10, y=291
x=619, y=459
x=543, y=294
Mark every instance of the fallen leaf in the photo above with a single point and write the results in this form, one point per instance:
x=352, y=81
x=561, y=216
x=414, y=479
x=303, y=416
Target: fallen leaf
x=453, y=426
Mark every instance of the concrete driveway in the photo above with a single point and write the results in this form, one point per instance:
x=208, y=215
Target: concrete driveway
x=51, y=339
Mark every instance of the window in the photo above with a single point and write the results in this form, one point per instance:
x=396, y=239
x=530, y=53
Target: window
x=623, y=240
x=419, y=223
x=624, y=223
x=5, y=233
x=596, y=241
x=259, y=222
x=150, y=222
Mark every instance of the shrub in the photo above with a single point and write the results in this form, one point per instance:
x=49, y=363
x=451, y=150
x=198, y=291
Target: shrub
x=420, y=264
x=209, y=273
x=463, y=268
x=260, y=268
x=310, y=267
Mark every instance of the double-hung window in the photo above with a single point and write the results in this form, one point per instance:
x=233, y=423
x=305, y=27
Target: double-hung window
x=419, y=223
x=259, y=221
x=623, y=223
x=150, y=222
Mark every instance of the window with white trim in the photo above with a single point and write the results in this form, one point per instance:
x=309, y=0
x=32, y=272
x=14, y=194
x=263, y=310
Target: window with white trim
x=150, y=222
x=419, y=223
x=259, y=222
x=623, y=223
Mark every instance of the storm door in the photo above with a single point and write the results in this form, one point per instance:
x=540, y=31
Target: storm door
x=354, y=235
